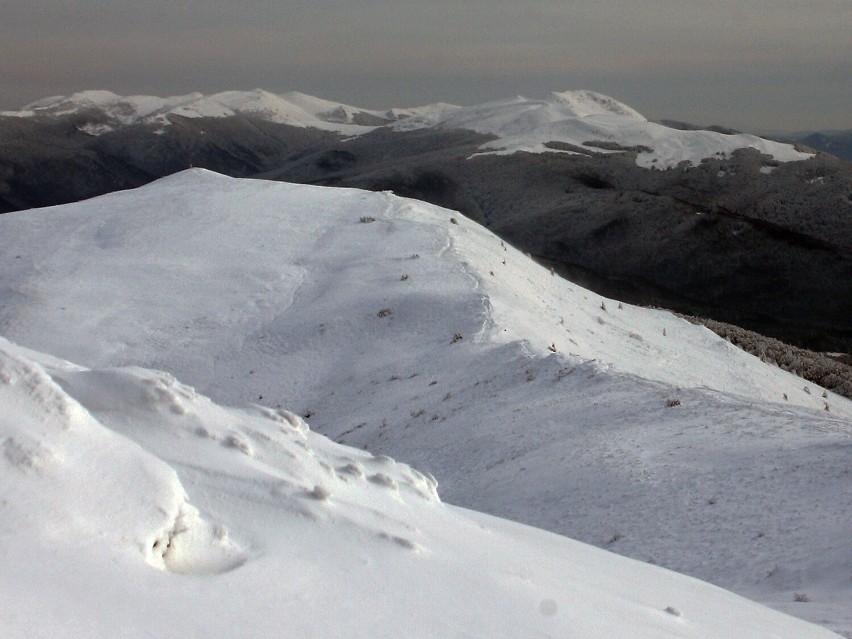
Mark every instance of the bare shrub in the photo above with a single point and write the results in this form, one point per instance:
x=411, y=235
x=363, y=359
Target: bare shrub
x=615, y=537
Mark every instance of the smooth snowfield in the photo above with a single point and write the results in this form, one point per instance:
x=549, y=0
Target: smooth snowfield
x=133, y=506
x=406, y=329
x=576, y=121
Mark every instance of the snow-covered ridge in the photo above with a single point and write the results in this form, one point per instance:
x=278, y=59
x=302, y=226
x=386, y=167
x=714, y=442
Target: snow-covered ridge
x=598, y=123
x=408, y=330
x=563, y=122
x=267, y=263
x=118, y=484
x=293, y=108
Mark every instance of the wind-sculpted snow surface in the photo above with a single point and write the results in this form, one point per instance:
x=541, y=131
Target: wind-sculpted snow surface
x=408, y=330
x=67, y=480
x=291, y=535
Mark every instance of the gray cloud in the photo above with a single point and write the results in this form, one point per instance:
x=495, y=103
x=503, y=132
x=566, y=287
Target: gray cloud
x=765, y=64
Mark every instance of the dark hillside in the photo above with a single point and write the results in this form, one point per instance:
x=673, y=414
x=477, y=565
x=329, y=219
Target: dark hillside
x=745, y=240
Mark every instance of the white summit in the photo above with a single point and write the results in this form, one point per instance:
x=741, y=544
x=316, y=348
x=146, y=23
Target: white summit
x=583, y=122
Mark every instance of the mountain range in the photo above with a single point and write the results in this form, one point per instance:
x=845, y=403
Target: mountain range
x=711, y=223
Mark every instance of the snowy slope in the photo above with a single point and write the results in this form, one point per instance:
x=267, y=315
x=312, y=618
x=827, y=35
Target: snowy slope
x=585, y=121
x=598, y=123
x=111, y=266
x=133, y=506
x=431, y=341
x=293, y=108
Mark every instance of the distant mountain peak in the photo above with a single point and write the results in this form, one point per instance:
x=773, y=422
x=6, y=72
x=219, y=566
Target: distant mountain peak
x=562, y=122
x=586, y=103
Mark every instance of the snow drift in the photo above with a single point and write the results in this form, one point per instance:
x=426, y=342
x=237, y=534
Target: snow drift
x=100, y=539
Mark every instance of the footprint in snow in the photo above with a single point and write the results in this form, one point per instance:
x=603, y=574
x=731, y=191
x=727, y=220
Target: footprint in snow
x=320, y=493
x=28, y=456
x=384, y=480
x=239, y=443
x=353, y=469
x=193, y=546
x=403, y=542
x=206, y=433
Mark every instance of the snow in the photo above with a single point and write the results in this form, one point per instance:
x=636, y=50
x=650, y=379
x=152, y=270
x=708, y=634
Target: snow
x=289, y=534
x=600, y=124
x=307, y=242
x=586, y=121
x=326, y=109
x=266, y=105
x=526, y=396
x=292, y=108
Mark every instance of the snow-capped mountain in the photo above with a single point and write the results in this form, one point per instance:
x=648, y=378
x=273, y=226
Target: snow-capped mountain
x=581, y=122
x=586, y=122
x=293, y=108
x=408, y=330
x=736, y=233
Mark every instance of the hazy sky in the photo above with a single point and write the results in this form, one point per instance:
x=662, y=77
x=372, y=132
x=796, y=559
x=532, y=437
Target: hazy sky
x=751, y=64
